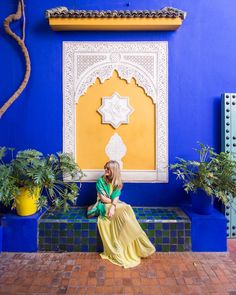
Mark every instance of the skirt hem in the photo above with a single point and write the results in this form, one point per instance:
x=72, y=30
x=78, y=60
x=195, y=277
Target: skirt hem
x=104, y=256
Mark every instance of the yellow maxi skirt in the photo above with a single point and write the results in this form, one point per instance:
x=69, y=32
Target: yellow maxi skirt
x=124, y=241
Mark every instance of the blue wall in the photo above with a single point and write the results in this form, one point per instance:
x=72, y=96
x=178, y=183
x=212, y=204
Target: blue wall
x=202, y=65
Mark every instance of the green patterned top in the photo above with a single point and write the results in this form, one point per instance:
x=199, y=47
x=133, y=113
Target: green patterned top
x=106, y=190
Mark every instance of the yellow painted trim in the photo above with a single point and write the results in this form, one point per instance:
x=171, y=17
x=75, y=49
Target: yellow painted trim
x=115, y=24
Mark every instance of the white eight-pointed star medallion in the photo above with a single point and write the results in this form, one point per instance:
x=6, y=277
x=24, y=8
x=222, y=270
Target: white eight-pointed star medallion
x=115, y=110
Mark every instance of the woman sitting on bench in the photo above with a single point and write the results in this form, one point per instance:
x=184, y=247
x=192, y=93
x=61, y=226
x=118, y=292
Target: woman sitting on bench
x=123, y=239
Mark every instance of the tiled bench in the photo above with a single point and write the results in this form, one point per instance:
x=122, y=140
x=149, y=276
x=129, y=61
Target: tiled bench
x=168, y=228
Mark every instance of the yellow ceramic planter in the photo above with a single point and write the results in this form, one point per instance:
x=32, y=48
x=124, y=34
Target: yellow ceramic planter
x=26, y=202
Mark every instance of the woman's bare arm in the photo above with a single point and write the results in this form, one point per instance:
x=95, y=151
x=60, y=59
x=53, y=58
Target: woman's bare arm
x=104, y=199
x=113, y=207
x=115, y=201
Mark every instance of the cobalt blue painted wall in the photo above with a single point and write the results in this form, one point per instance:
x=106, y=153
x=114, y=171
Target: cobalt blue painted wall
x=20, y=233
x=202, y=65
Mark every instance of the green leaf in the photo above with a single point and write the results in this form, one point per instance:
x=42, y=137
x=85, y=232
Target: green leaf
x=30, y=169
x=214, y=173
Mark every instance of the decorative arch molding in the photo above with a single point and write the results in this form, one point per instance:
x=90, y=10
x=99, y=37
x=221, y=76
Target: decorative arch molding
x=147, y=62
x=127, y=71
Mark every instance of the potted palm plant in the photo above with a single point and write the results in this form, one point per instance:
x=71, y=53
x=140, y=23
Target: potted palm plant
x=213, y=176
x=29, y=180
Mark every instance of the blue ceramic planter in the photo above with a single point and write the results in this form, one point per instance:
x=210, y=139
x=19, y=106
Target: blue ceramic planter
x=202, y=203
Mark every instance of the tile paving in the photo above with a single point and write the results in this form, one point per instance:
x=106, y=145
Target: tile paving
x=86, y=273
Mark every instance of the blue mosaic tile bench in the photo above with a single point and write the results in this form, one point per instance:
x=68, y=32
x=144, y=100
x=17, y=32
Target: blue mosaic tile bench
x=168, y=228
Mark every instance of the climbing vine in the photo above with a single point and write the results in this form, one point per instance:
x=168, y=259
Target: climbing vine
x=20, y=13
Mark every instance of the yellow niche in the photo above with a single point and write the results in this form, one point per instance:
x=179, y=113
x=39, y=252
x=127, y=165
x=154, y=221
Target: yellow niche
x=138, y=135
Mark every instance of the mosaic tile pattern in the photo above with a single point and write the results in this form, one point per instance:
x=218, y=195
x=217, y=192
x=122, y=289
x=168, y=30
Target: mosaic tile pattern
x=69, y=236
x=169, y=237
x=169, y=229
x=76, y=214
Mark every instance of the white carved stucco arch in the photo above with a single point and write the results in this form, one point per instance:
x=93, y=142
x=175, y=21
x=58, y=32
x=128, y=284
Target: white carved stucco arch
x=104, y=71
x=151, y=58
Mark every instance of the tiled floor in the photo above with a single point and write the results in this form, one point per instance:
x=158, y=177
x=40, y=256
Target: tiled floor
x=81, y=273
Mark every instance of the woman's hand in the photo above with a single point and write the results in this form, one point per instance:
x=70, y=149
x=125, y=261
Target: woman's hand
x=112, y=211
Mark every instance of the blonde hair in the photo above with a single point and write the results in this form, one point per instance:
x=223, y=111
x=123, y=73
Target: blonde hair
x=114, y=166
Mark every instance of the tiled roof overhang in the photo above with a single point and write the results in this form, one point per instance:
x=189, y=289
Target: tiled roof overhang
x=168, y=18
